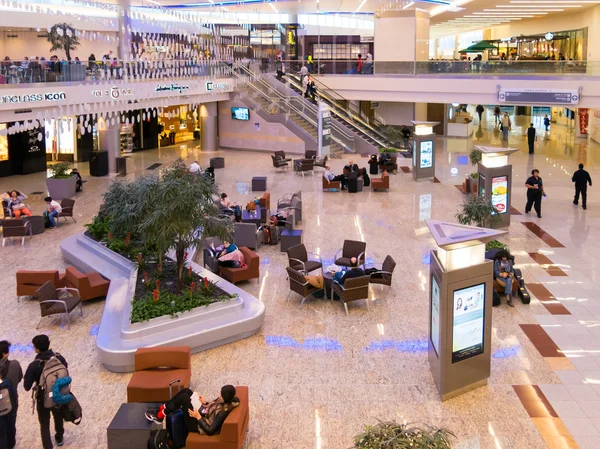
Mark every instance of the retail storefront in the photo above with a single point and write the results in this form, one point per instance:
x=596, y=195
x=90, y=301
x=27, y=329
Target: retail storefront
x=571, y=44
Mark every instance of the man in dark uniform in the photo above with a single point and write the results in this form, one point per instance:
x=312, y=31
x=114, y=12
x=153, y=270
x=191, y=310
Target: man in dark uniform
x=535, y=190
x=581, y=178
x=530, y=137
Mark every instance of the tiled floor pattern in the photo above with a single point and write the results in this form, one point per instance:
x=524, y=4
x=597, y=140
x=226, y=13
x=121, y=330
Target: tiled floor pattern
x=547, y=264
x=546, y=238
x=313, y=372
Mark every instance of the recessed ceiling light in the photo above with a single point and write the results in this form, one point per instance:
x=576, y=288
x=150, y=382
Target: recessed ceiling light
x=524, y=11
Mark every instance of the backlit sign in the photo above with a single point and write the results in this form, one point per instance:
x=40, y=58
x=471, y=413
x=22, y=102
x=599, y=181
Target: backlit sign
x=32, y=98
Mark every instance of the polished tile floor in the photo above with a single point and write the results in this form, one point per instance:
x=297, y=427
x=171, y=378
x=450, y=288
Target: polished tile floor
x=317, y=377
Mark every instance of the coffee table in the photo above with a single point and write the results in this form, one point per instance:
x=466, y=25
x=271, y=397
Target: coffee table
x=130, y=429
x=259, y=183
x=36, y=222
x=252, y=216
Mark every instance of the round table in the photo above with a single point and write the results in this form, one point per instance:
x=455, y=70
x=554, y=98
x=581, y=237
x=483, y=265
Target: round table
x=37, y=223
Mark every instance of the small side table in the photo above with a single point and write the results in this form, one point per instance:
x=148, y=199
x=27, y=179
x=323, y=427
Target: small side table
x=217, y=162
x=130, y=429
x=259, y=184
x=289, y=239
x=252, y=216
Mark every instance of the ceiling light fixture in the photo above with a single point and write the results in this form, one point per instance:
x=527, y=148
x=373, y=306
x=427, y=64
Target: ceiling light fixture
x=524, y=10
x=273, y=7
x=361, y=5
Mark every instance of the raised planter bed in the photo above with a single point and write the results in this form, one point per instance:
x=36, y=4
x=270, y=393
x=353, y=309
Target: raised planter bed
x=201, y=328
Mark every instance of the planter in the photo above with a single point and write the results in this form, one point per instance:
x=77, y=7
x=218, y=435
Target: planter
x=474, y=185
x=60, y=189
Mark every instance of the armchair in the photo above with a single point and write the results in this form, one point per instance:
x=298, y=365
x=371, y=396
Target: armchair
x=351, y=248
x=54, y=301
x=381, y=183
x=155, y=368
x=6, y=210
x=246, y=234
x=296, y=207
x=331, y=185
x=265, y=206
x=90, y=285
x=304, y=165
x=298, y=259
x=299, y=285
x=250, y=271
x=281, y=155
x=16, y=227
x=353, y=289
x=310, y=154
x=67, y=205
x=286, y=200
x=225, y=211
x=279, y=163
x=383, y=276
x=29, y=281
x=208, y=258
x=321, y=161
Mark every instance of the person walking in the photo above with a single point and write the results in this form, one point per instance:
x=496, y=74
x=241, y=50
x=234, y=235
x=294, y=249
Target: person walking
x=359, y=63
x=41, y=345
x=505, y=126
x=14, y=372
x=531, y=137
x=546, y=122
x=497, y=114
x=303, y=73
x=535, y=191
x=581, y=178
x=479, y=109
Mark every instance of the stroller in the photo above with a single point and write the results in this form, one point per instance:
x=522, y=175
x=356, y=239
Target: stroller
x=522, y=291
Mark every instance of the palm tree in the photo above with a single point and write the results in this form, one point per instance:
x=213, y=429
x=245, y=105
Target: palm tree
x=62, y=37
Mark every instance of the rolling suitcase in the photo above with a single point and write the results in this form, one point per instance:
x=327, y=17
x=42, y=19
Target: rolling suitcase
x=175, y=421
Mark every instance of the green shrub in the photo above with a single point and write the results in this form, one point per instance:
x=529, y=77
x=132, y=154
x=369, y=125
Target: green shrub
x=495, y=244
x=391, y=435
x=388, y=150
x=475, y=156
x=98, y=228
x=60, y=170
x=477, y=211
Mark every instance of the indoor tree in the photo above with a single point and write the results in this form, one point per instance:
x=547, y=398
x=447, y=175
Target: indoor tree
x=63, y=36
x=477, y=211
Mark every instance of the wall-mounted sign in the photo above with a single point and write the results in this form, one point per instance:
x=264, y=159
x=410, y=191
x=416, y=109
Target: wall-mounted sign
x=467, y=322
x=549, y=36
x=211, y=86
x=539, y=96
x=179, y=88
x=32, y=98
x=114, y=92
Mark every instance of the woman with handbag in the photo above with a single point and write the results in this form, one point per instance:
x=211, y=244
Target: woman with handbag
x=15, y=203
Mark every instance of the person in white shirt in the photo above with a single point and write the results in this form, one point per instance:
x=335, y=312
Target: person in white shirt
x=303, y=73
x=368, y=63
x=53, y=211
x=195, y=167
x=331, y=177
x=506, y=124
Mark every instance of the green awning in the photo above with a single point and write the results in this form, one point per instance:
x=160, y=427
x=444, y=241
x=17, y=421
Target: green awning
x=478, y=47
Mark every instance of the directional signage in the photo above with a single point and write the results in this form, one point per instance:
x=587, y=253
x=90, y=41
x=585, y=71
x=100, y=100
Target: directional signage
x=539, y=96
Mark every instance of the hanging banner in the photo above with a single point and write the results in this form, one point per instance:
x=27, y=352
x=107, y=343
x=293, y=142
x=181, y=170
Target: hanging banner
x=584, y=118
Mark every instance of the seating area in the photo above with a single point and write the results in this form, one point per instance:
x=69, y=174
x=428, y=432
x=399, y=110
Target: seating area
x=89, y=285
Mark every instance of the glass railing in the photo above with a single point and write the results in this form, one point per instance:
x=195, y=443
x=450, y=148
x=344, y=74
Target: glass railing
x=43, y=71
x=433, y=67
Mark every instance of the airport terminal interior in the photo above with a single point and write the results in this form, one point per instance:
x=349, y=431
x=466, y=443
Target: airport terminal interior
x=374, y=219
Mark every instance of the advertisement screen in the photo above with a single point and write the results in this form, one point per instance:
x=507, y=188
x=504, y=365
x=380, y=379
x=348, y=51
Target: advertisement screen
x=435, y=316
x=240, y=113
x=500, y=194
x=427, y=154
x=467, y=322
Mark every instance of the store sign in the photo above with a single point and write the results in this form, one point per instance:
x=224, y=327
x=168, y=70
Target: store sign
x=211, y=86
x=539, y=96
x=32, y=98
x=114, y=92
x=467, y=322
x=179, y=88
x=584, y=118
x=549, y=36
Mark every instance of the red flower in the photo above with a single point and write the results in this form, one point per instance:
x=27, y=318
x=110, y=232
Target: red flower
x=185, y=256
x=190, y=271
x=146, y=277
x=139, y=258
x=127, y=239
x=192, y=287
x=206, y=282
x=155, y=294
x=110, y=236
x=157, y=283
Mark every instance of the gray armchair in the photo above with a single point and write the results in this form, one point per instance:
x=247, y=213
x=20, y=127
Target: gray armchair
x=247, y=234
x=352, y=248
x=208, y=258
x=296, y=207
x=286, y=200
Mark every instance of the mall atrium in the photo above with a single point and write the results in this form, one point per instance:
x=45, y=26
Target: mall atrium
x=356, y=223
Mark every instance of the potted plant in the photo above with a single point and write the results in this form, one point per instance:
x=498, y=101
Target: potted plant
x=471, y=184
x=391, y=435
x=61, y=184
x=63, y=36
x=477, y=211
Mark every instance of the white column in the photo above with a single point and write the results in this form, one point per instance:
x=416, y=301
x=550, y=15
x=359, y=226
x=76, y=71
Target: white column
x=209, y=127
x=124, y=32
x=110, y=140
x=401, y=36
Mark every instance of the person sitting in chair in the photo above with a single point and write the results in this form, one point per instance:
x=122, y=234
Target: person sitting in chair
x=504, y=273
x=201, y=416
x=15, y=202
x=354, y=272
x=227, y=204
x=331, y=177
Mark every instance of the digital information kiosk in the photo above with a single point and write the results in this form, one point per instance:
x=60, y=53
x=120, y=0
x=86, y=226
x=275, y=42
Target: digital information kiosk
x=495, y=180
x=460, y=312
x=324, y=128
x=423, y=161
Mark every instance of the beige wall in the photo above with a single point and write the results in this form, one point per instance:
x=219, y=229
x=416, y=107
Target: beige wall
x=28, y=44
x=242, y=134
x=402, y=36
x=396, y=113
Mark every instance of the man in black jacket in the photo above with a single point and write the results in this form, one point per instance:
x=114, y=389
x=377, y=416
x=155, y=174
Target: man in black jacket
x=581, y=178
x=531, y=138
x=41, y=344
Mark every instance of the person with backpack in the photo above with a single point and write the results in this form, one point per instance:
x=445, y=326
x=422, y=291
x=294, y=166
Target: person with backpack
x=8, y=411
x=42, y=373
x=14, y=373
